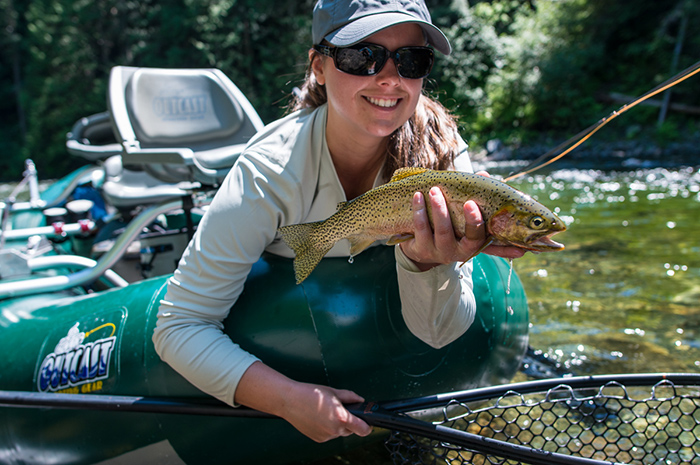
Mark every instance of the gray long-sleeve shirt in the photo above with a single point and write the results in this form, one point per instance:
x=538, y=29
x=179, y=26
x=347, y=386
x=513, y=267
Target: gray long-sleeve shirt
x=285, y=176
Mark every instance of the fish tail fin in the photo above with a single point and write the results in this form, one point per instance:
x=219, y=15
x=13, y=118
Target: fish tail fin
x=308, y=248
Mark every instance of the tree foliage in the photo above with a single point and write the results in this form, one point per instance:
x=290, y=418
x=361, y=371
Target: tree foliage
x=539, y=66
x=519, y=67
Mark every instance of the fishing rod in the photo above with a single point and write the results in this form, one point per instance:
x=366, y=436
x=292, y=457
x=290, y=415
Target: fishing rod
x=580, y=402
x=582, y=136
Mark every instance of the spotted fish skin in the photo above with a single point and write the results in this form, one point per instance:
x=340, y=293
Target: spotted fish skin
x=385, y=213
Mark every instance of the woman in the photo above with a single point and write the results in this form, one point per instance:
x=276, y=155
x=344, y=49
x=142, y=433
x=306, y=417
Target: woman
x=361, y=114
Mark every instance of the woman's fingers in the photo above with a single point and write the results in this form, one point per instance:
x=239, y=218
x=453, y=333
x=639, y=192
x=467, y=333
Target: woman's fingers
x=505, y=251
x=475, y=229
x=354, y=425
x=420, y=249
x=421, y=222
x=319, y=413
x=435, y=241
x=348, y=397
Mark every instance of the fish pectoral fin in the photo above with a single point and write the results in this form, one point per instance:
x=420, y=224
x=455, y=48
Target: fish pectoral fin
x=359, y=243
x=488, y=242
x=399, y=238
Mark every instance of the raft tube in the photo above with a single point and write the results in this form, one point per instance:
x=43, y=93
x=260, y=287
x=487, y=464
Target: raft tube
x=341, y=327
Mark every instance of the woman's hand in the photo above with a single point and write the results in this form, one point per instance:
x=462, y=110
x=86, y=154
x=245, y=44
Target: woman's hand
x=316, y=411
x=439, y=245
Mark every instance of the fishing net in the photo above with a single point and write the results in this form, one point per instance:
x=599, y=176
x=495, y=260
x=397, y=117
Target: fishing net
x=635, y=424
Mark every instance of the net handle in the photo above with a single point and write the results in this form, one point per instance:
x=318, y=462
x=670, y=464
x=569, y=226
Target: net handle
x=370, y=412
x=389, y=415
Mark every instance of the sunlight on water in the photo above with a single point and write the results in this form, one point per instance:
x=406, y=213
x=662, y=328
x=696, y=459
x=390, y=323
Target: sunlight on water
x=625, y=294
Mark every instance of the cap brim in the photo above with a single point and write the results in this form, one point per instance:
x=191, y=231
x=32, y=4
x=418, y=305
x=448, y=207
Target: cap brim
x=362, y=28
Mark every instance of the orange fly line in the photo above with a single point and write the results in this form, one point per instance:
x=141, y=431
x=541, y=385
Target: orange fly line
x=581, y=137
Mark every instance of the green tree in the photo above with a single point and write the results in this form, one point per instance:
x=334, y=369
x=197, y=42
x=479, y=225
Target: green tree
x=261, y=45
x=524, y=68
x=519, y=67
x=13, y=119
x=71, y=46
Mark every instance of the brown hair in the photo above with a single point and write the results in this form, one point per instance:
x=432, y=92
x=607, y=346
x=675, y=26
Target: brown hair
x=429, y=139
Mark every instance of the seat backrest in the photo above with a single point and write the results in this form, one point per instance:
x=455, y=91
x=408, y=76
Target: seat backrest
x=180, y=124
x=175, y=107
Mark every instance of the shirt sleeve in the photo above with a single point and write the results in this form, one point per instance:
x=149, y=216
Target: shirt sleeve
x=437, y=305
x=272, y=183
x=210, y=277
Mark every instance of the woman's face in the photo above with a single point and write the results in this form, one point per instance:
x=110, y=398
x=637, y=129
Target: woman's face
x=371, y=106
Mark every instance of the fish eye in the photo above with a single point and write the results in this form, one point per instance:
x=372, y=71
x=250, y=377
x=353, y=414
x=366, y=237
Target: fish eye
x=537, y=222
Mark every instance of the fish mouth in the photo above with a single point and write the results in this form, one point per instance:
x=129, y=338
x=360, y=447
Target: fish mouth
x=544, y=243
x=539, y=244
x=534, y=244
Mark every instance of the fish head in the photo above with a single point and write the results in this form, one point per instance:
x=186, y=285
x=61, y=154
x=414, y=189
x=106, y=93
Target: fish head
x=528, y=225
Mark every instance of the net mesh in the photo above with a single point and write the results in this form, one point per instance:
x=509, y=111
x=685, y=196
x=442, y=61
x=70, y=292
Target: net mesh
x=654, y=424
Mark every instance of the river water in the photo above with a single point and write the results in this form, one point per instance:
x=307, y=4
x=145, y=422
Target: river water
x=624, y=296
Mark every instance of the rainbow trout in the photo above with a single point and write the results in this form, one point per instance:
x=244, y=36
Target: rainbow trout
x=385, y=212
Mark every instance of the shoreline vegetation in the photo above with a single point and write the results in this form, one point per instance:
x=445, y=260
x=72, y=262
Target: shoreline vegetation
x=642, y=151
x=519, y=69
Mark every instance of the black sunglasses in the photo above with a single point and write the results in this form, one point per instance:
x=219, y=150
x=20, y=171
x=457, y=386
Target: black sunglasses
x=365, y=59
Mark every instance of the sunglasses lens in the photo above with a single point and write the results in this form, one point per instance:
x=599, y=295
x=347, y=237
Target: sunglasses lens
x=414, y=63
x=364, y=60
x=368, y=59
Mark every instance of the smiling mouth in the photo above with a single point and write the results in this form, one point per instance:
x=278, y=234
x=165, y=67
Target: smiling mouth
x=383, y=102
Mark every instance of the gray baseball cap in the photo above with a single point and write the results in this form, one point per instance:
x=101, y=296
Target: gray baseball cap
x=347, y=22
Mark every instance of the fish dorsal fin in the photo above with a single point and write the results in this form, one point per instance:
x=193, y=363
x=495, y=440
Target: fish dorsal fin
x=402, y=173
